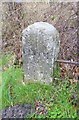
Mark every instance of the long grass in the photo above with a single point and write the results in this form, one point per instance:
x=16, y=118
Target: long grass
x=57, y=97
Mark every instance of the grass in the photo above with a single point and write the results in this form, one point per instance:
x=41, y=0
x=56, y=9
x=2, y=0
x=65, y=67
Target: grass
x=57, y=97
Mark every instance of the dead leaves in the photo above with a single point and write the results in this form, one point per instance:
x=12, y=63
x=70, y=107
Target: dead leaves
x=70, y=71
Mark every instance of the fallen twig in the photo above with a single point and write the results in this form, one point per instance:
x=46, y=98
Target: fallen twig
x=68, y=62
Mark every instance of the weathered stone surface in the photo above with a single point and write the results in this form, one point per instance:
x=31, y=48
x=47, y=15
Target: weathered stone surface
x=40, y=50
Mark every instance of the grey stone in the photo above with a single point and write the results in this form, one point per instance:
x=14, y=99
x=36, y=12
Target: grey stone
x=18, y=111
x=40, y=50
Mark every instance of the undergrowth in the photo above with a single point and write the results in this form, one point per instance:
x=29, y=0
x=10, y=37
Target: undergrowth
x=60, y=97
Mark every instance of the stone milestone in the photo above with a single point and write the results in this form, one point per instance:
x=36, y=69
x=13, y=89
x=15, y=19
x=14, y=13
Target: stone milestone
x=40, y=50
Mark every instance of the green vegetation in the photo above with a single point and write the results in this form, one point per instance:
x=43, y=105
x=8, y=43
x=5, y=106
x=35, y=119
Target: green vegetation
x=61, y=104
x=57, y=97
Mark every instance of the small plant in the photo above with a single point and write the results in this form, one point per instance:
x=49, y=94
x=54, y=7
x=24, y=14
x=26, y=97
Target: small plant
x=52, y=17
x=56, y=71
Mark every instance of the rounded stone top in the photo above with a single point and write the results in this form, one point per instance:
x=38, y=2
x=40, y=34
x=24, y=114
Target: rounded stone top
x=41, y=27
